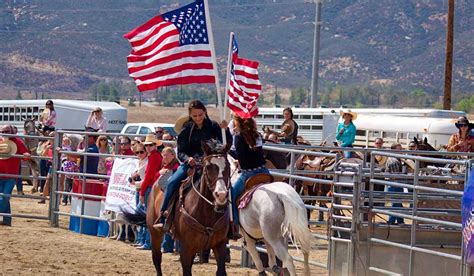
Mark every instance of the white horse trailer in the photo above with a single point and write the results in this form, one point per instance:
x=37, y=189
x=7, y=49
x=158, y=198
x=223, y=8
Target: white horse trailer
x=70, y=114
x=395, y=125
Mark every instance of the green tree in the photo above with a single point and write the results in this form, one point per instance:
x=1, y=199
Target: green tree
x=466, y=104
x=277, y=100
x=298, y=96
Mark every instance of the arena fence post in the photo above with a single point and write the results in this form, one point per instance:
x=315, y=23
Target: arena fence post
x=84, y=169
x=54, y=202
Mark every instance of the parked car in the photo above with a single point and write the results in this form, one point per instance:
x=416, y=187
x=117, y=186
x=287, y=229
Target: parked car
x=145, y=128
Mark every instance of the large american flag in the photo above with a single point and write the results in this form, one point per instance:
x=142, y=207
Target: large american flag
x=244, y=87
x=171, y=49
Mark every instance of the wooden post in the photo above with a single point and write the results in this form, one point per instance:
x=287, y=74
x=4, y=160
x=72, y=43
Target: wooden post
x=448, y=69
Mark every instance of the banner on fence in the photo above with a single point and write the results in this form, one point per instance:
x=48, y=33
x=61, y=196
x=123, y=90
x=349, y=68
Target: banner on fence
x=468, y=219
x=121, y=193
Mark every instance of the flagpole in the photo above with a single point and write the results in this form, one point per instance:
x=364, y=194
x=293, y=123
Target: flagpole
x=227, y=79
x=214, y=61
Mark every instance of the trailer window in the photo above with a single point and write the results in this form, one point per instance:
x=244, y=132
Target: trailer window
x=268, y=116
x=305, y=117
x=317, y=117
x=305, y=127
x=316, y=127
x=279, y=116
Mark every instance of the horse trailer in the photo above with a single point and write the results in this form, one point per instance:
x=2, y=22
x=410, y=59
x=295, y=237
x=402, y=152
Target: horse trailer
x=70, y=114
x=394, y=125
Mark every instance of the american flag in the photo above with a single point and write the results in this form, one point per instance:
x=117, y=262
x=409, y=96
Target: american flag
x=171, y=49
x=244, y=86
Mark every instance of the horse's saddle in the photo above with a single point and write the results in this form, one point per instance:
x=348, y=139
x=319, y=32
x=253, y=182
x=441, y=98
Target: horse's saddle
x=251, y=185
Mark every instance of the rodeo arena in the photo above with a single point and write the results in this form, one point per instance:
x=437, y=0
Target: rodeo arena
x=284, y=191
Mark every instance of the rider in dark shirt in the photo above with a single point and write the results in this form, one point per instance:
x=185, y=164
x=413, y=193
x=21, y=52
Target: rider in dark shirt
x=196, y=129
x=248, y=146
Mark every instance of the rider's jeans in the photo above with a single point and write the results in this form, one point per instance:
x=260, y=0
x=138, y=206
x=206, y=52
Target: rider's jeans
x=348, y=154
x=6, y=187
x=173, y=184
x=238, y=188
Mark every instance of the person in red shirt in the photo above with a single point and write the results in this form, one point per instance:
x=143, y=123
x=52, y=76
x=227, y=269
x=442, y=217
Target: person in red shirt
x=9, y=165
x=125, y=146
x=152, y=173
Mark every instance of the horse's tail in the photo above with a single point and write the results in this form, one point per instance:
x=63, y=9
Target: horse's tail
x=137, y=217
x=295, y=224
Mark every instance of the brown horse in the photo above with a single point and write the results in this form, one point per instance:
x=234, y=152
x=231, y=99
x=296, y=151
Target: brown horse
x=201, y=219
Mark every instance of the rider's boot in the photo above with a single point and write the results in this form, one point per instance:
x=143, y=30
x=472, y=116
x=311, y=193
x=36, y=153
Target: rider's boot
x=233, y=233
x=160, y=222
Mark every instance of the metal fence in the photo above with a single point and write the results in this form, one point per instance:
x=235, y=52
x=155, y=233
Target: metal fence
x=350, y=237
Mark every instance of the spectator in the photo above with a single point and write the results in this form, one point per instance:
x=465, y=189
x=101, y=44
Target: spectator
x=92, y=161
x=159, y=132
x=346, y=131
x=169, y=166
x=412, y=146
x=136, y=179
x=380, y=160
x=167, y=137
x=48, y=117
x=103, y=147
x=125, y=146
x=151, y=175
x=70, y=165
x=9, y=165
x=47, y=152
x=394, y=165
x=97, y=121
x=463, y=140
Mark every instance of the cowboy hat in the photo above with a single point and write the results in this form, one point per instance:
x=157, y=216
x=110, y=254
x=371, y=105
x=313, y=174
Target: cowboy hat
x=179, y=124
x=7, y=147
x=8, y=129
x=151, y=139
x=348, y=111
x=463, y=121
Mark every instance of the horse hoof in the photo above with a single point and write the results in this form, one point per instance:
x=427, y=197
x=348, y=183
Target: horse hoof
x=276, y=270
x=262, y=273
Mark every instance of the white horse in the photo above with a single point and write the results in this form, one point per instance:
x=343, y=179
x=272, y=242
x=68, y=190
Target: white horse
x=275, y=213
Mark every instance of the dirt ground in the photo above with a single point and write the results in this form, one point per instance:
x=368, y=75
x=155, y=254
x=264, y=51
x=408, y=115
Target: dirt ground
x=33, y=247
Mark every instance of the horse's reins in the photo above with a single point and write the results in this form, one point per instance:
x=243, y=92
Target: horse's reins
x=213, y=182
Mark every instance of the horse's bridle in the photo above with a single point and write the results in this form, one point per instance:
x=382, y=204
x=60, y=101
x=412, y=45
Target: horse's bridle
x=205, y=158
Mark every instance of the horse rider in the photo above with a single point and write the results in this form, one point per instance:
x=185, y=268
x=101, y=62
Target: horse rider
x=192, y=129
x=248, y=147
x=48, y=117
x=463, y=140
x=289, y=128
x=346, y=131
x=96, y=120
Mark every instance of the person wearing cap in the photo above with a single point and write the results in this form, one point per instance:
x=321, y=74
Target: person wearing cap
x=97, y=121
x=346, y=131
x=48, y=117
x=463, y=140
x=152, y=173
x=193, y=129
x=9, y=165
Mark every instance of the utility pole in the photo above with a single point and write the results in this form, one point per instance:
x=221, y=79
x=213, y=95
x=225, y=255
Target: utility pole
x=317, y=35
x=448, y=68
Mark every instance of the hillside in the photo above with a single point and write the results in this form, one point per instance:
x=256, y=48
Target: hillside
x=66, y=46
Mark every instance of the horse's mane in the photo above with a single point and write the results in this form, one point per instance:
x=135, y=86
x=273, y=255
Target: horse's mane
x=214, y=146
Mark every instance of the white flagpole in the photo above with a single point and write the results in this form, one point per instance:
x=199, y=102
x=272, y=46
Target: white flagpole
x=227, y=79
x=214, y=61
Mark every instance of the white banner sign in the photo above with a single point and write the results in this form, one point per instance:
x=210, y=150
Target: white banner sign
x=121, y=193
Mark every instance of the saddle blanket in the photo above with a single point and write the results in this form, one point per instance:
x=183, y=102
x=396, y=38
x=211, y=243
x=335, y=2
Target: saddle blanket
x=247, y=196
